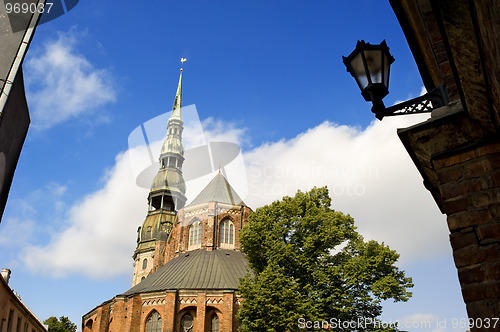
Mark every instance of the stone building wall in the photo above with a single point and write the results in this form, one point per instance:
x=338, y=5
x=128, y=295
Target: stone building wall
x=470, y=188
x=14, y=315
x=457, y=151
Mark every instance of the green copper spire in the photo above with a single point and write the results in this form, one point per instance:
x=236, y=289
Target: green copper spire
x=166, y=197
x=173, y=143
x=177, y=109
x=169, y=183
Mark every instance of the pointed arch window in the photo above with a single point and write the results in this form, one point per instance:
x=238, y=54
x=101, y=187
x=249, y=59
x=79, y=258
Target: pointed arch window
x=187, y=323
x=195, y=235
x=214, y=323
x=226, y=234
x=144, y=264
x=89, y=324
x=153, y=322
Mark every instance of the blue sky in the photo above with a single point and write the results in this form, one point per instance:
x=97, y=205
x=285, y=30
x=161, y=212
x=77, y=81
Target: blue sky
x=267, y=75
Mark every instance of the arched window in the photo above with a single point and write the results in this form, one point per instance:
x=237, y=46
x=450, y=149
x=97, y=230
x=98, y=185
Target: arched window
x=144, y=264
x=195, y=235
x=226, y=234
x=153, y=322
x=187, y=323
x=148, y=233
x=143, y=278
x=214, y=323
x=89, y=324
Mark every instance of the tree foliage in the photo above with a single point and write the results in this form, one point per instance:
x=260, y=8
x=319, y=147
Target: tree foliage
x=63, y=324
x=309, y=264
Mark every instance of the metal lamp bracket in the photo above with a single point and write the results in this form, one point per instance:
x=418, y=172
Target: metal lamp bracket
x=423, y=104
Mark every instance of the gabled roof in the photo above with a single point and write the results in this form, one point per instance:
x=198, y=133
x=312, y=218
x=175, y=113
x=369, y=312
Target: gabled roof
x=197, y=269
x=218, y=190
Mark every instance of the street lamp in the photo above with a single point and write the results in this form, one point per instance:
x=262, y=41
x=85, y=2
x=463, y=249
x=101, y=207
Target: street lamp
x=370, y=66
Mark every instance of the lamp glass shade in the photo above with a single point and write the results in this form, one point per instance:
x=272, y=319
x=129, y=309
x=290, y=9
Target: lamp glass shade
x=374, y=65
x=387, y=68
x=358, y=70
x=369, y=65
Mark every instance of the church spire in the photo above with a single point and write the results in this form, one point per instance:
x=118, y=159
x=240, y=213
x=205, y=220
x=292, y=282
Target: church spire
x=177, y=109
x=166, y=196
x=169, y=179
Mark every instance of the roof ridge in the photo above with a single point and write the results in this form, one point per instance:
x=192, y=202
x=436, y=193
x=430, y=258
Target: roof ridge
x=196, y=269
x=218, y=190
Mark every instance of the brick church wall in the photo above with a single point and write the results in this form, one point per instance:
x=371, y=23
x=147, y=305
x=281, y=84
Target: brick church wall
x=470, y=188
x=210, y=215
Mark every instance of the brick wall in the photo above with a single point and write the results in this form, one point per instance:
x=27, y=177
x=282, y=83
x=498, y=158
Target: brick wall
x=435, y=38
x=210, y=215
x=130, y=314
x=456, y=42
x=470, y=189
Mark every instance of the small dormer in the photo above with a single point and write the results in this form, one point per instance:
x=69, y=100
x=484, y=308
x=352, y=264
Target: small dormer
x=213, y=219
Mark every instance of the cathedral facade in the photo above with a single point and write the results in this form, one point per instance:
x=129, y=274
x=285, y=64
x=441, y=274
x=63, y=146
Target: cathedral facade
x=187, y=262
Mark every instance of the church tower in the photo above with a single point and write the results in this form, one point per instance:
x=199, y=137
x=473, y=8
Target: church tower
x=166, y=197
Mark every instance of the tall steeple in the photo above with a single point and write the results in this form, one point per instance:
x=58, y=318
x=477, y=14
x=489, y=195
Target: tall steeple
x=166, y=197
x=168, y=188
x=177, y=109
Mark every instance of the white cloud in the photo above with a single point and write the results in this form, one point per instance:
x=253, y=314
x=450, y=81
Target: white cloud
x=370, y=176
x=99, y=236
x=62, y=84
x=221, y=131
x=423, y=91
x=368, y=172
x=98, y=239
x=16, y=231
x=20, y=227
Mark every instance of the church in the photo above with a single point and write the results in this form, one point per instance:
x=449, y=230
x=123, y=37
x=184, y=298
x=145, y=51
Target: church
x=187, y=262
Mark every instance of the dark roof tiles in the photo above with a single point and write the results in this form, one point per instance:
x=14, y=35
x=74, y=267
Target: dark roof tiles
x=197, y=269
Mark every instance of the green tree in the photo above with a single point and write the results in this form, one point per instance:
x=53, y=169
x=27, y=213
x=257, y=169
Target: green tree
x=63, y=324
x=308, y=264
